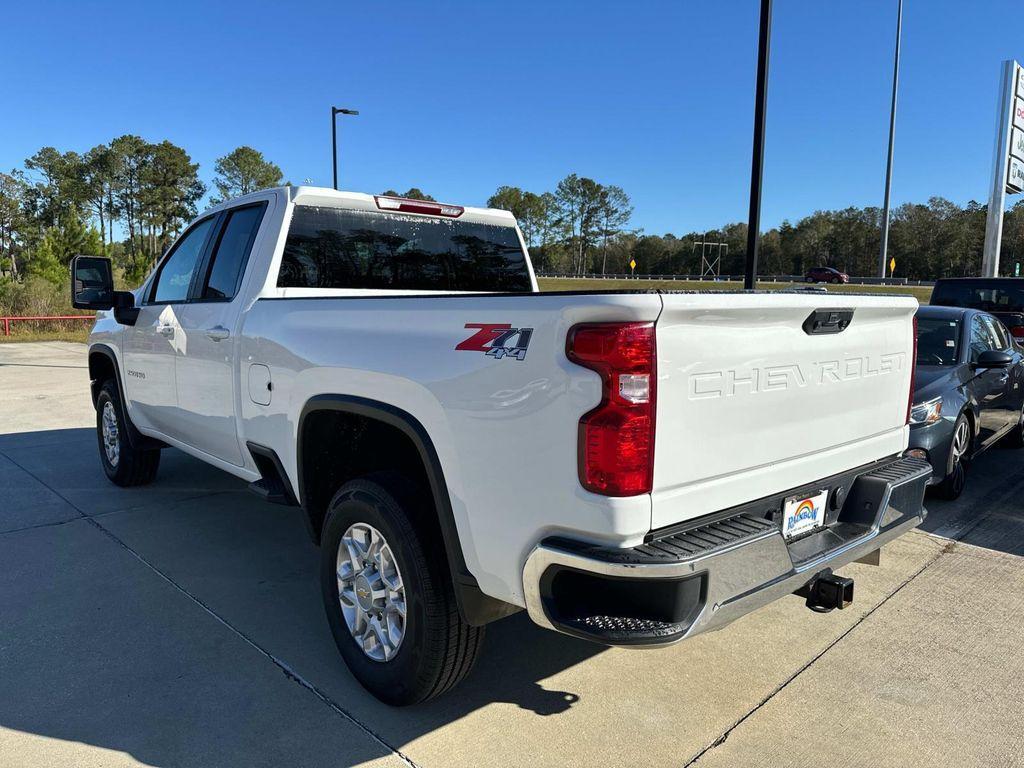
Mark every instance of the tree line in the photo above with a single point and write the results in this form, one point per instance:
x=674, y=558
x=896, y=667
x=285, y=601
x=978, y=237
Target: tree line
x=582, y=227
x=63, y=203
x=129, y=198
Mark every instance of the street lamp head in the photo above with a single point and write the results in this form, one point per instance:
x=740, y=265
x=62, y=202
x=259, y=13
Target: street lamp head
x=338, y=111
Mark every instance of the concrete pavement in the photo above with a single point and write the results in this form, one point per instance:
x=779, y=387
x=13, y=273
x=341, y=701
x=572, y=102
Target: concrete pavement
x=180, y=624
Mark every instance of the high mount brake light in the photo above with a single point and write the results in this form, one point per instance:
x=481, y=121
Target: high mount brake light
x=616, y=439
x=1017, y=331
x=405, y=205
x=913, y=371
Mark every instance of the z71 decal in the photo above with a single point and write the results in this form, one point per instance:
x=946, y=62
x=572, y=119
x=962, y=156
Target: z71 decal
x=495, y=340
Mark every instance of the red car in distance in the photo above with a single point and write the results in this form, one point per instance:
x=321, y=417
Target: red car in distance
x=826, y=275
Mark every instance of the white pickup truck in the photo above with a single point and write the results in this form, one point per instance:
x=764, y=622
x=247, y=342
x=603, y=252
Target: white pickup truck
x=630, y=467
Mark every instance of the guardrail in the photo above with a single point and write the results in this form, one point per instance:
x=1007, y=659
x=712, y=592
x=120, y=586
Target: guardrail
x=35, y=318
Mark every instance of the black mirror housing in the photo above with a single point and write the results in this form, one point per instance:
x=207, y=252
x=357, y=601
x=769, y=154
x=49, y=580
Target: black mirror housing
x=92, y=287
x=992, y=358
x=92, y=283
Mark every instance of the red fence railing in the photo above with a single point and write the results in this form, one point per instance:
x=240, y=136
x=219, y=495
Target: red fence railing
x=7, y=321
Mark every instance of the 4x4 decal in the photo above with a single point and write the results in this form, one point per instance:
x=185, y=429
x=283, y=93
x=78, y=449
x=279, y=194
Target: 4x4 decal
x=494, y=340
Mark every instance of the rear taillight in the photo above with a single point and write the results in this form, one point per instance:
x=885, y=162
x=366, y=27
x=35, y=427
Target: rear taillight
x=913, y=371
x=407, y=205
x=1018, y=333
x=616, y=439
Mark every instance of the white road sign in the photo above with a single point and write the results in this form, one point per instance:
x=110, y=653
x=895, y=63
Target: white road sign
x=1015, y=174
x=1018, y=113
x=1020, y=83
x=1017, y=143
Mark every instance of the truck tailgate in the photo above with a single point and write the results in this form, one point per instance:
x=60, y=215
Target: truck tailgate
x=752, y=400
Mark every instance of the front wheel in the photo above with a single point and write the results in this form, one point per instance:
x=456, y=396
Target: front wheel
x=953, y=483
x=388, y=593
x=123, y=464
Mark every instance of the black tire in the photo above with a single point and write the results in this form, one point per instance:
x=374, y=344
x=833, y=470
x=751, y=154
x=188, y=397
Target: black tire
x=835, y=281
x=1015, y=438
x=953, y=483
x=438, y=648
x=128, y=466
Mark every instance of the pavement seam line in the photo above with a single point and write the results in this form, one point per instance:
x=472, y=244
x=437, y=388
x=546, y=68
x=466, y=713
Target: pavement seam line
x=949, y=546
x=779, y=688
x=290, y=673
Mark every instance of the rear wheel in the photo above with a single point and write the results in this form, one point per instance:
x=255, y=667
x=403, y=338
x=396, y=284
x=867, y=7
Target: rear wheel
x=956, y=465
x=123, y=464
x=388, y=593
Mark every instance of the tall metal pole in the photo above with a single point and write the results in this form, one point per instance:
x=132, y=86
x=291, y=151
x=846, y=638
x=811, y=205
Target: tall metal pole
x=757, y=161
x=335, y=111
x=883, y=256
x=334, y=144
x=997, y=192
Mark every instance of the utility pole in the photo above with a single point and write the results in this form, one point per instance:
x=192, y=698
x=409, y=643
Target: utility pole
x=335, y=111
x=757, y=161
x=883, y=256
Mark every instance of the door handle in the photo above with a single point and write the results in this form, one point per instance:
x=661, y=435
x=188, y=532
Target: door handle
x=166, y=330
x=218, y=333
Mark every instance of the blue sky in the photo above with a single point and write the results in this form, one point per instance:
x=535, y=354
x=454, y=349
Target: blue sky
x=458, y=98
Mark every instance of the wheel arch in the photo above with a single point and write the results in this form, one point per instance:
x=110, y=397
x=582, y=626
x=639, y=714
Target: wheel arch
x=476, y=607
x=103, y=366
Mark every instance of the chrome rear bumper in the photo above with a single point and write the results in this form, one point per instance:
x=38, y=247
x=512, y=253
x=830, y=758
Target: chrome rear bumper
x=704, y=577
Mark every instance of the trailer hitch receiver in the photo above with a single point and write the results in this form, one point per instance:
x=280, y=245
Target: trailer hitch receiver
x=827, y=591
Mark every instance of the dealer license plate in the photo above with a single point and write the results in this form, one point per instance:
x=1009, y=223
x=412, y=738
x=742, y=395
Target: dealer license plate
x=801, y=514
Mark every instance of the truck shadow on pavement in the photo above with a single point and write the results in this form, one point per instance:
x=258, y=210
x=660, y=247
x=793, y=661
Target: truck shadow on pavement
x=182, y=623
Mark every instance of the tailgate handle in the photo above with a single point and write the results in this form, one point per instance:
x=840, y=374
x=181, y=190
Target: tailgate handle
x=828, y=321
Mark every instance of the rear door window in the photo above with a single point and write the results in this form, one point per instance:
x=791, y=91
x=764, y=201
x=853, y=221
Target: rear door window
x=224, y=272
x=337, y=248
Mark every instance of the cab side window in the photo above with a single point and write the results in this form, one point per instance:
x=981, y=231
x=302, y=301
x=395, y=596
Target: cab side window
x=175, y=277
x=231, y=253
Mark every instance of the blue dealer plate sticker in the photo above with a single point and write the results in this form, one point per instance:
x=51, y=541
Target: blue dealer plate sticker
x=802, y=514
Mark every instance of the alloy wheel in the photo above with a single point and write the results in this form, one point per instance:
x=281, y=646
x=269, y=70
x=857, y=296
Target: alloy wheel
x=371, y=591
x=111, y=438
x=961, y=441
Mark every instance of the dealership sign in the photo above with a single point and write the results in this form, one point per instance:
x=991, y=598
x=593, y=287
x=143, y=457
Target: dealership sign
x=1008, y=162
x=1014, y=155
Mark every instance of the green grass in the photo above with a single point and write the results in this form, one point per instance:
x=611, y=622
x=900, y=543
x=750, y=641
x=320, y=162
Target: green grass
x=921, y=292
x=26, y=334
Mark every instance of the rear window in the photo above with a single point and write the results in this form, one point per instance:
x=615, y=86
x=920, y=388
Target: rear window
x=987, y=295
x=938, y=341
x=336, y=248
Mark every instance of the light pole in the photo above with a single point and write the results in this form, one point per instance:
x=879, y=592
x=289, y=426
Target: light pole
x=335, y=111
x=883, y=255
x=757, y=162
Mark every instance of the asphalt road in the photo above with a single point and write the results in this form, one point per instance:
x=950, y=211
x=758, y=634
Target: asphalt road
x=180, y=625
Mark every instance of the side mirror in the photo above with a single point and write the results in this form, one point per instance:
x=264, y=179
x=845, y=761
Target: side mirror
x=92, y=283
x=992, y=358
x=92, y=287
